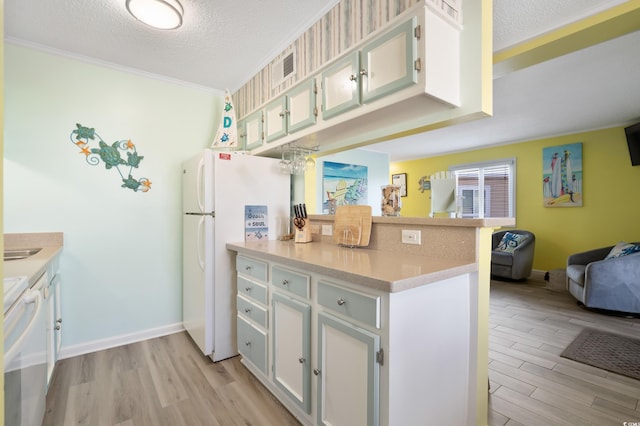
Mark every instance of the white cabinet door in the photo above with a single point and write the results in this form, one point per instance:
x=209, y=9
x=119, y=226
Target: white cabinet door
x=275, y=117
x=348, y=374
x=388, y=62
x=252, y=131
x=302, y=106
x=340, y=86
x=291, y=330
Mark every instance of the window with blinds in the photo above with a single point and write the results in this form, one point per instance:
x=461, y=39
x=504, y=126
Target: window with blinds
x=486, y=189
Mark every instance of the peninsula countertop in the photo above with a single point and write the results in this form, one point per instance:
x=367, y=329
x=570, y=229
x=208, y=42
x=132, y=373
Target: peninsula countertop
x=382, y=270
x=34, y=266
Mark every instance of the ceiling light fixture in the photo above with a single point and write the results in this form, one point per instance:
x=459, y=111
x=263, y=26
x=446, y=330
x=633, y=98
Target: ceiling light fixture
x=162, y=14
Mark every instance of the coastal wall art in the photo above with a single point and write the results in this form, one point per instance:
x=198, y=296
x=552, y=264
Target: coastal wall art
x=562, y=175
x=343, y=184
x=111, y=156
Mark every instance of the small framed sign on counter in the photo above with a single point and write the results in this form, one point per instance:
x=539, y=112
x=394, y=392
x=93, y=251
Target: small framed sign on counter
x=256, y=223
x=400, y=179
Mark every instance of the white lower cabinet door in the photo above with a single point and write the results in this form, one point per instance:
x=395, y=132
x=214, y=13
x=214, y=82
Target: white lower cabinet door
x=291, y=331
x=348, y=374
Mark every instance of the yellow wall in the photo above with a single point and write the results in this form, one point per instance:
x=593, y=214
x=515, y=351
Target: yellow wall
x=611, y=193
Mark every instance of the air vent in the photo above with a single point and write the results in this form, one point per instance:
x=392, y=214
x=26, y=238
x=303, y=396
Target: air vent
x=283, y=69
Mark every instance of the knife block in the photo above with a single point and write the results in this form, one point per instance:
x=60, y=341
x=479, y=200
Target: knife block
x=303, y=235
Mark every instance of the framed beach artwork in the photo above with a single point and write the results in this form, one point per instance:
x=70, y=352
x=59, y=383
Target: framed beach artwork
x=343, y=184
x=562, y=175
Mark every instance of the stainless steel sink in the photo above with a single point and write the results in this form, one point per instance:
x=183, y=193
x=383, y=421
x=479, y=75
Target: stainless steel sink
x=20, y=253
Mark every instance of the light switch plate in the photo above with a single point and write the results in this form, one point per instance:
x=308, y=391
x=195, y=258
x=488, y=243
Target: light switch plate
x=327, y=230
x=411, y=236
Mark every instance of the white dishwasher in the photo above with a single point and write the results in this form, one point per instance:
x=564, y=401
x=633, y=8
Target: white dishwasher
x=25, y=353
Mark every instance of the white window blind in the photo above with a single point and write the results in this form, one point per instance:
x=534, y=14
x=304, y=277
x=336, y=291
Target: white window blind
x=486, y=189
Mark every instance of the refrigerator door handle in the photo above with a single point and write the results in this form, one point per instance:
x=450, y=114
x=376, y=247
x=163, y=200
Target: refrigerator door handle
x=200, y=185
x=200, y=242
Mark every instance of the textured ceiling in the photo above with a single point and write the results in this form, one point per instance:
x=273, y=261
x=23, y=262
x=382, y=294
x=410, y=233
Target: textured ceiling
x=222, y=44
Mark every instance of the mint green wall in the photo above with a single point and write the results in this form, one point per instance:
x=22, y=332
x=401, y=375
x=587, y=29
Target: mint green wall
x=121, y=264
x=611, y=193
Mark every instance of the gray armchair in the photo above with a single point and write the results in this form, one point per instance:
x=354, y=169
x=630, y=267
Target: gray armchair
x=611, y=284
x=516, y=265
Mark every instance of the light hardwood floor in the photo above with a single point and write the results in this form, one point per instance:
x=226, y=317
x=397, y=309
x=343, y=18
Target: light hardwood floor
x=530, y=383
x=166, y=381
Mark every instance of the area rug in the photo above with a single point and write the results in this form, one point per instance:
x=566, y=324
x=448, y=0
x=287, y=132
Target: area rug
x=611, y=352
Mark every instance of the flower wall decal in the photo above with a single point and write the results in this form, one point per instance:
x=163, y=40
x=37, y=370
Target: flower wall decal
x=111, y=156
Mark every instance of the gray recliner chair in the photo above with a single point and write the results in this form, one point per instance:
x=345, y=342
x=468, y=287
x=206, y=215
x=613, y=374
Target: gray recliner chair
x=611, y=284
x=516, y=265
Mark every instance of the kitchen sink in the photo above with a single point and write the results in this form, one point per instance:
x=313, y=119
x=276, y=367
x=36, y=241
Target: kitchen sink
x=18, y=254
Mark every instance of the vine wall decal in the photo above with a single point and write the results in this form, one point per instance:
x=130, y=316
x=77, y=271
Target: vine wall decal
x=111, y=156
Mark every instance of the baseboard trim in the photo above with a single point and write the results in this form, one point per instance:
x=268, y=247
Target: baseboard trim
x=537, y=275
x=115, y=341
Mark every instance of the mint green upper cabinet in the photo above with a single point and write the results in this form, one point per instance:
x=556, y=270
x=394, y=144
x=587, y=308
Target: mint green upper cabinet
x=302, y=106
x=251, y=132
x=276, y=119
x=340, y=86
x=388, y=62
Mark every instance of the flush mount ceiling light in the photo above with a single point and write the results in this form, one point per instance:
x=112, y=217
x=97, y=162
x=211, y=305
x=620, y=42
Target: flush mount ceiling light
x=162, y=14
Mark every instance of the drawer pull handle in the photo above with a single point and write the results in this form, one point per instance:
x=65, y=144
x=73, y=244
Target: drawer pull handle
x=285, y=282
x=301, y=360
x=341, y=301
x=247, y=268
x=247, y=343
x=247, y=289
x=316, y=371
x=247, y=310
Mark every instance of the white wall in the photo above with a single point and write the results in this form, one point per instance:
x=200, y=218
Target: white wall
x=377, y=169
x=121, y=264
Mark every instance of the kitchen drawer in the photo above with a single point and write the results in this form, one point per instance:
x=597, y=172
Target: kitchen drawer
x=251, y=310
x=253, y=290
x=359, y=306
x=252, y=344
x=290, y=281
x=251, y=267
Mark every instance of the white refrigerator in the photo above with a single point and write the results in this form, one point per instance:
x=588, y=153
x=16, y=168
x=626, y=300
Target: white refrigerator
x=216, y=187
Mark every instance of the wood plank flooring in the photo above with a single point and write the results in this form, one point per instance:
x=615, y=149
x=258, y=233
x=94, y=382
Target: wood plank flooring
x=530, y=383
x=162, y=381
x=166, y=381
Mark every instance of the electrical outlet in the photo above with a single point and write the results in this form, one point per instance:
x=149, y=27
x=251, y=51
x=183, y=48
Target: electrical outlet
x=327, y=230
x=411, y=237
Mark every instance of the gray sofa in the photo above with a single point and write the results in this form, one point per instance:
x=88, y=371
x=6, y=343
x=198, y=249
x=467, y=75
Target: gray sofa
x=611, y=284
x=516, y=265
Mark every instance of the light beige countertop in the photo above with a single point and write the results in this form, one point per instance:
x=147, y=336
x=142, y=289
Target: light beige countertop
x=34, y=266
x=383, y=270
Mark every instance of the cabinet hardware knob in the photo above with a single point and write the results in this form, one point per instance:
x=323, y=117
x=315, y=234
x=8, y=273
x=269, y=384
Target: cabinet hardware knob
x=247, y=310
x=57, y=327
x=247, y=289
x=341, y=301
x=282, y=114
x=363, y=72
x=301, y=360
x=59, y=320
x=247, y=268
x=353, y=77
x=316, y=371
x=285, y=282
x=247, y=343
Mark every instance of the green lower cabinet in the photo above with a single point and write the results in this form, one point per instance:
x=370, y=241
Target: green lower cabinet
x=252, y=344
x=291, y=331
x=348, y=374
